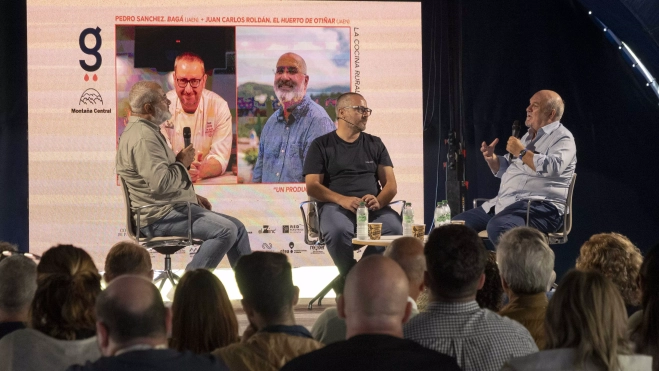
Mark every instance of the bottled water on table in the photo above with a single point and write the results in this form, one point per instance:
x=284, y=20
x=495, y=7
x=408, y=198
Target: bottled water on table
x=439, y=214
x=442, y=214
x=362, y=221
x=447, y=213
x=408, y=219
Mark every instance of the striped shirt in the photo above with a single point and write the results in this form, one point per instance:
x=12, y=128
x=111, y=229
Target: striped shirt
x=478, y=338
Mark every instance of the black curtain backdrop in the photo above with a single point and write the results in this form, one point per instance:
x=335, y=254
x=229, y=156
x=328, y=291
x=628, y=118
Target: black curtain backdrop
x=13, y=124
x=509, y=50
x=482, y=61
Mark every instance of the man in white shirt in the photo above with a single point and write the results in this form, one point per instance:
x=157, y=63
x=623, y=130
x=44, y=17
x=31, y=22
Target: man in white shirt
x=538, y=166
x=204, y=112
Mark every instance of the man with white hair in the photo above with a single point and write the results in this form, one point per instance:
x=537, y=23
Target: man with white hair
x=153, y=173
x=288, y=133
x=375, y=306
x=18, y=283
x=526, y=263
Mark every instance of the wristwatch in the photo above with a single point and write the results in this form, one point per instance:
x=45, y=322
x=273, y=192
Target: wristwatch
x=521, y=154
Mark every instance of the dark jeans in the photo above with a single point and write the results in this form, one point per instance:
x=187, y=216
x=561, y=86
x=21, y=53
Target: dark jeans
x=222, y=235
x=338, y=227
x=543, y=216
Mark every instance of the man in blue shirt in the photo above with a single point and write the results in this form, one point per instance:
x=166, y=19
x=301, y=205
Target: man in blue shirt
x=539, y=166
x=288, y=133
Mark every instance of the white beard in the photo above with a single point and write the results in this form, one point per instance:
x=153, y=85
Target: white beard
x=295, y=95
x=161, y=115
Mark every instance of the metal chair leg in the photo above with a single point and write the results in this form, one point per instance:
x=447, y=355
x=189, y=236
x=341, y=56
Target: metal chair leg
x=167, y=274
x=322, y=293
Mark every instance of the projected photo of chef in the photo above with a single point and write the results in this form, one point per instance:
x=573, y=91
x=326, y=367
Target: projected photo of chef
x=196, y=67
x=288, y=82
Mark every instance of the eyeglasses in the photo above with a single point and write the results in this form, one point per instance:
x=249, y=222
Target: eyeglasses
x=290, y=70
x=361, y=109
x=182, y=83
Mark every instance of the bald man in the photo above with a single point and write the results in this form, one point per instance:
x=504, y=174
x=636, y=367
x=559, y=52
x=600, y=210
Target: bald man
x=288, y=133
x=132, y=324
x=375, y=306
x=539, y=166
x=408, y=253
x=344, y=168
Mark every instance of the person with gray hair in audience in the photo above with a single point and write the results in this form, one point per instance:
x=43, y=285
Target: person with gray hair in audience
x=18, y=282
x=375, y=305
x=408, y=253
x=132, y=324
x=526, y=263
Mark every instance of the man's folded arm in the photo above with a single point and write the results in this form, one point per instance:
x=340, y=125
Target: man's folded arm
x=153, y=165
x=558, y=158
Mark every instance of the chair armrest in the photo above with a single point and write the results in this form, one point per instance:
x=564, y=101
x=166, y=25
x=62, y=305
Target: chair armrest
x=138, y=211
x=480, y=199
x=529, y=200
x=398, y=202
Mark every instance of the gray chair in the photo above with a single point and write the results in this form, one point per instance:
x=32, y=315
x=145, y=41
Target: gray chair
x=555, y=238
x=163, y=245
x=314, y=237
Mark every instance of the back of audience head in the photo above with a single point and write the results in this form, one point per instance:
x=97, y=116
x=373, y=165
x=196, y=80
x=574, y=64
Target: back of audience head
x=526, y=261
x=265, y=280
x=587, y=313
x=375, y=306
x=491, y=295
x=126, y=257
x=646, y=336
x=67, y=286
x=9, y=247
x=18, y=282
x=202, y=316
x=131, y=311
x=616, y=257
x=408, y=253
x=456, y=258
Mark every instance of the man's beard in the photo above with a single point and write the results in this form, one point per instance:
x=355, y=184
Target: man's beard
x=291, y=97
x=161, y=115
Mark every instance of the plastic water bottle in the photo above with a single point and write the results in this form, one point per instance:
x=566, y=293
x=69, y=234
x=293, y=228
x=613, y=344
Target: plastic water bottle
x=408, y=219
x=439, y=214
x=447, y=213
x=362, y=221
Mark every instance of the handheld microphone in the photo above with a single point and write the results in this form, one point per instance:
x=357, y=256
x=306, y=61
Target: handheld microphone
x=516, y=130
x=186, y=136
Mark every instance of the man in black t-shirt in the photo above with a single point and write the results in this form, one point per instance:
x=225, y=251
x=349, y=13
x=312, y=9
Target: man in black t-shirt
x=343, y=168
